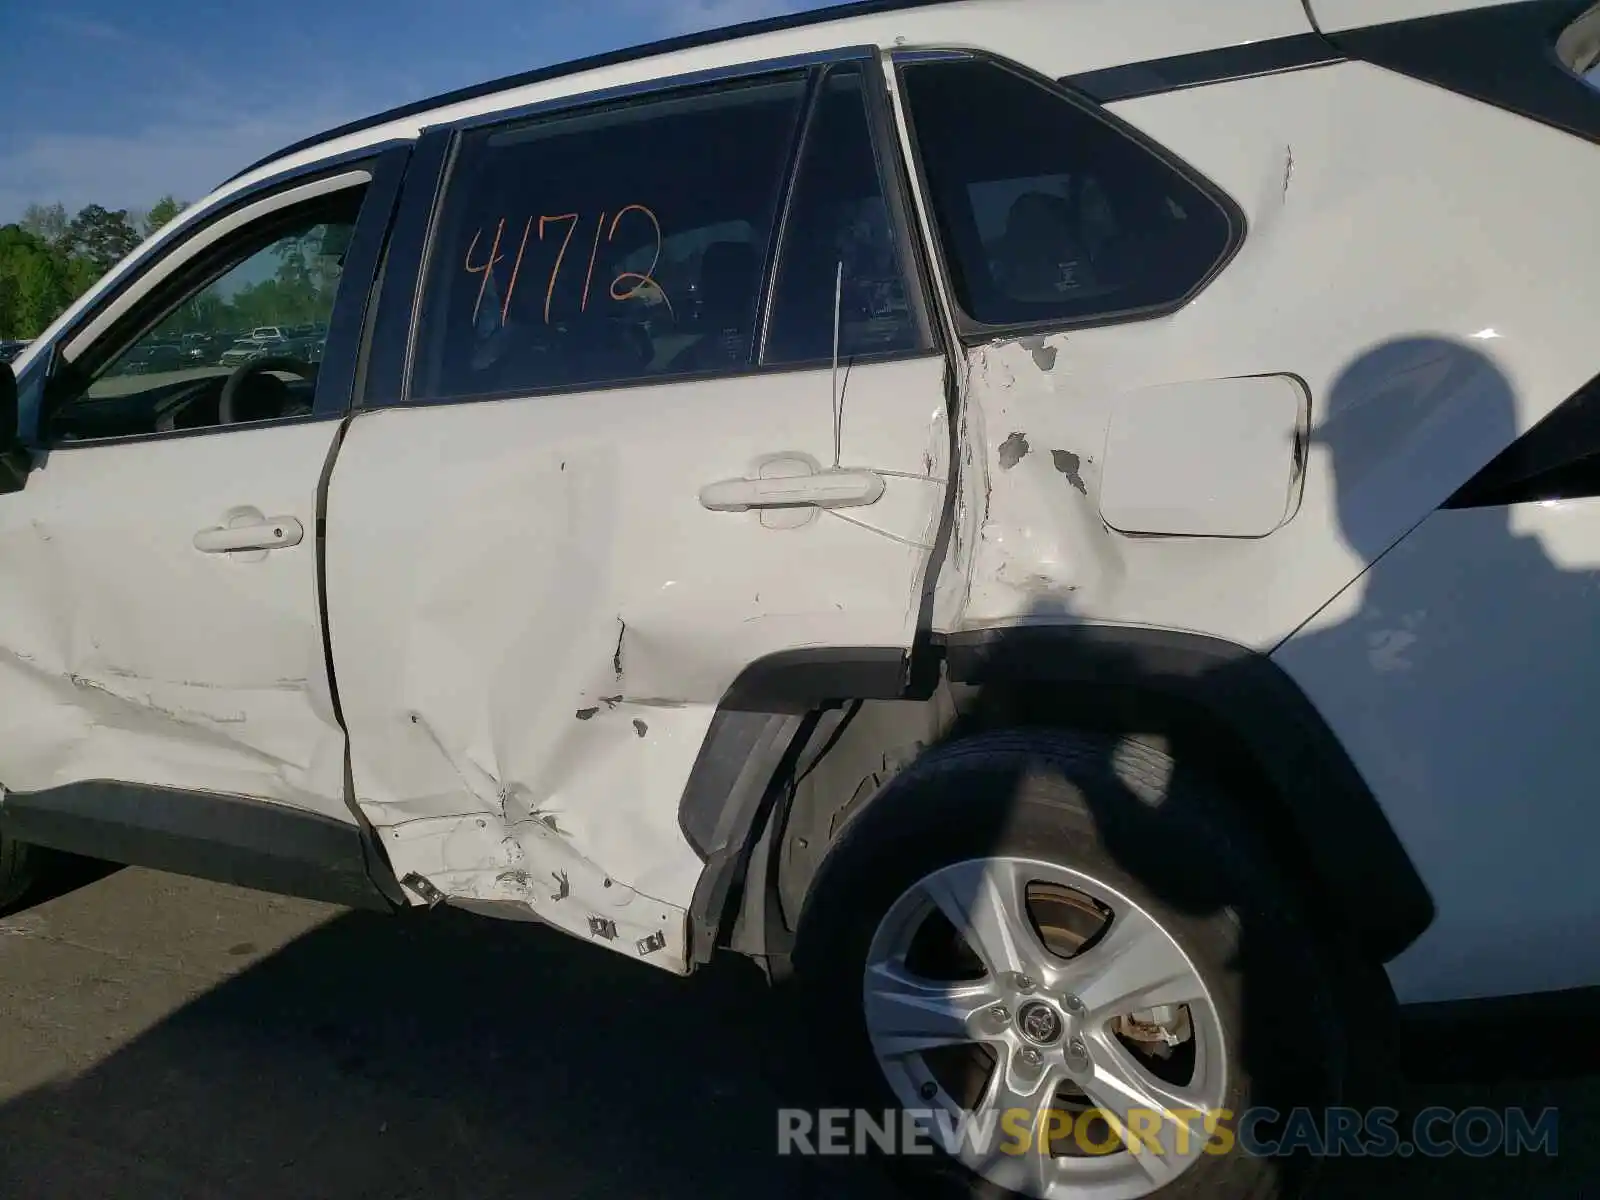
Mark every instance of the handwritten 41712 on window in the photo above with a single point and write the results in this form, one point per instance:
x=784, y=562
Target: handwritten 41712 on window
x=625, y=286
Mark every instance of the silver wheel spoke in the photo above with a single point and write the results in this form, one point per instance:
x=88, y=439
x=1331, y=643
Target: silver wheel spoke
x=1141, y=1107
x=908, y=1015
x=1135, y=966
x=1033, y=1171
x=1048, y=1020
x=983, y=900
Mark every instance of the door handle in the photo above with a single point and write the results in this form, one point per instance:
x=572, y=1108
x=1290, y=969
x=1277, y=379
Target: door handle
x=824, y=489
x=273, y=533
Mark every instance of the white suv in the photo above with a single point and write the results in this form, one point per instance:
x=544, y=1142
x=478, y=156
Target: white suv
x=1066, y=530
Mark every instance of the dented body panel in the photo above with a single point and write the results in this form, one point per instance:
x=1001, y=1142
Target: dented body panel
x=534, y=613
x=126, y=654
x=535, y=619
x=1401, y=413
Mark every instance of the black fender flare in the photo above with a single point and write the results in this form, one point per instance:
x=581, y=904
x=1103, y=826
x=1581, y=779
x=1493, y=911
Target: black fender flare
x=1352, y=851
x=777, y=707
x=763, y=723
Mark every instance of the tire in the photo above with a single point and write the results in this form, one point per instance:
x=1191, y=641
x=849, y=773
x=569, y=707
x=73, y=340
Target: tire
x=1077, y=815
x=19, y=864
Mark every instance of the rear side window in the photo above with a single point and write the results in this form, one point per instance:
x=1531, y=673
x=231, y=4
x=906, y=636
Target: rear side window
x=608, y=245
x=1048, y=213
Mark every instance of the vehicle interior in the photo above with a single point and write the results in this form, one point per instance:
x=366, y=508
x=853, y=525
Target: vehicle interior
x=610, y=244
x=1056, y=212
x=182, y=359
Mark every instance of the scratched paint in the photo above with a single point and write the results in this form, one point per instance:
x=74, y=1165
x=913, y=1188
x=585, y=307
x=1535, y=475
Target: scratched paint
x=549, y=626
x=127, y=654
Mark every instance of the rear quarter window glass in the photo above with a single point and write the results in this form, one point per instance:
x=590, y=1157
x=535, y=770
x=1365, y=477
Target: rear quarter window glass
x=1049, y=214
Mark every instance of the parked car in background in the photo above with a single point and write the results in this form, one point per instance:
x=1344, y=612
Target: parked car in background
x=305, y=347
x=245, y=350
x=204, y=349
x=151, y=357
x=10, y=349
x=1080, y=565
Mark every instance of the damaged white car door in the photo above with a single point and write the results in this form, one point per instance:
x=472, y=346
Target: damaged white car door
x=611, y=466
x=160, y=632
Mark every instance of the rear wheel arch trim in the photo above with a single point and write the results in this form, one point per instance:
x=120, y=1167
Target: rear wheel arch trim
x=769, y=713
x=1349, y=845
x=774, y=710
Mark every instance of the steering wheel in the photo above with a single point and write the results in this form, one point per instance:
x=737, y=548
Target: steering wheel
x=228, y=406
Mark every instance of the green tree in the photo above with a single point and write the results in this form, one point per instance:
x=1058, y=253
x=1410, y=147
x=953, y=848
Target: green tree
x=81, y=276
x=47, y=222
x=8, y=302
x=100, y=236
x=34, y=284
x=162, y=212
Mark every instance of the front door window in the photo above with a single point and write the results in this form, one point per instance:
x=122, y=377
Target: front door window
x=262, y=315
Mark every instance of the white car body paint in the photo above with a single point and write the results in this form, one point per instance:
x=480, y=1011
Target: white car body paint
x=127, y=654
x=1035, y=534
x=1103, y=32
x=1333, y=16
x=1460, y=674
x=1219, y=458
x=535, y=617
x=1422, y=364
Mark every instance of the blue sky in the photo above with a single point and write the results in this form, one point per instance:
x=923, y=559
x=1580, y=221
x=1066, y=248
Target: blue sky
x=117, y=103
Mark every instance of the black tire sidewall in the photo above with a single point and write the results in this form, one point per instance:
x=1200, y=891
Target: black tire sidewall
x=1058, y=798
x=18, y=866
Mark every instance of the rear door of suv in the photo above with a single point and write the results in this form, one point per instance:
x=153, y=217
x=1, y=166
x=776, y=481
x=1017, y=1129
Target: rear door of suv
x=608, y=464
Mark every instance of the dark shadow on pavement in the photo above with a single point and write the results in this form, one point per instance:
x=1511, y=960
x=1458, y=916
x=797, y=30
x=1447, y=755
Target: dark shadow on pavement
x=439, y=1056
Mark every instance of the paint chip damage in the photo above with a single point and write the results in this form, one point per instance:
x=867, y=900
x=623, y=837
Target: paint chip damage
x=1044, y=354
x=1070, y=465
x=1012, y=451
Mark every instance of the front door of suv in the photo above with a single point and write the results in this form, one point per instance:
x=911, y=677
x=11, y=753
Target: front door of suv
x=605, y=473
x=162, y=663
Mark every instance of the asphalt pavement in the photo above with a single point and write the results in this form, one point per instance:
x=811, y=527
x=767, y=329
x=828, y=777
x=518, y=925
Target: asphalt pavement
x=163, y=1037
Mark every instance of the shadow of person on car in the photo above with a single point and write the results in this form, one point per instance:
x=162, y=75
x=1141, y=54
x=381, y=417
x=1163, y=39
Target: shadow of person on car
x=1455, y=669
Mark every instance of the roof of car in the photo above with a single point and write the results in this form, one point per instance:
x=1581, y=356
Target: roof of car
x=728, y=33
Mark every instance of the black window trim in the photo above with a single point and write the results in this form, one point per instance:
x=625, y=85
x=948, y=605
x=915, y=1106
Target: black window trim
x=773, y=262
x=392, y=357
x=897, y=199
x=1503, y=55
x=1203, y=68
x=386, y=356
x=974, y=332
x=901, y=199
x=385, y=164
x=838, y=12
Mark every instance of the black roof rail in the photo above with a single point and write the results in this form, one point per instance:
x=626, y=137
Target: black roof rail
x=688, y=41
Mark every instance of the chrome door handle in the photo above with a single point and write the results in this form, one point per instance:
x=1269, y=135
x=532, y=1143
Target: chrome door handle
x=824, y=489
x=274, y=533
